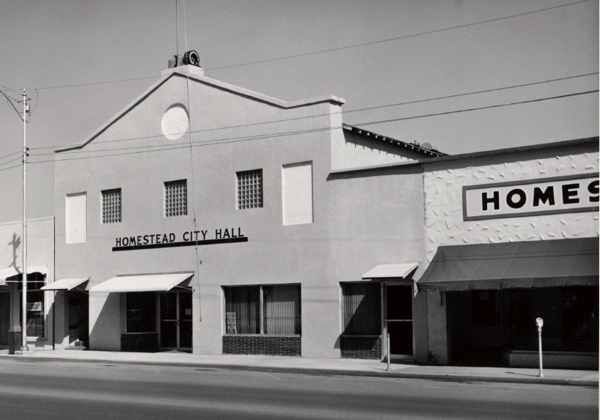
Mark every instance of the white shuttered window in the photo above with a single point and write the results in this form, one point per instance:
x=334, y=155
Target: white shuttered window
x=297, y=194
x=76, y=218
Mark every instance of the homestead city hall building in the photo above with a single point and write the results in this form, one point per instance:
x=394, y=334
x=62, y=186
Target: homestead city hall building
x=209, y=218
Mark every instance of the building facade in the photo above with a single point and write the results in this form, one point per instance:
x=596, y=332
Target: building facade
x=511, y=236
x=209, y=218
x=40, y=272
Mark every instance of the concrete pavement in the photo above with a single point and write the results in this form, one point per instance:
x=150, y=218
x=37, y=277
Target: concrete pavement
x=322, y=366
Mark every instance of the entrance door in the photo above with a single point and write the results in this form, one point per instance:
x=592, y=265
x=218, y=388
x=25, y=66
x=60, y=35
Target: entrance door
x=176, y=320
x=487, y=318
x=4, y=318
x=79, y=309
x=399, y=319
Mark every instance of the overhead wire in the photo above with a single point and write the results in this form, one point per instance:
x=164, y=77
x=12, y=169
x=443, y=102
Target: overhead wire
x=398, y=38
x=345, y=112
x=287, y=57
x=326, y=114
x=289, y=133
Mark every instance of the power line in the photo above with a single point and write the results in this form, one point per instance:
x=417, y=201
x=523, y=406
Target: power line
x=9, y=161
x=274, y=135
x=346, y=112
x=398, y=38
x=12, y=167
x=12, y=154
x=478, y=108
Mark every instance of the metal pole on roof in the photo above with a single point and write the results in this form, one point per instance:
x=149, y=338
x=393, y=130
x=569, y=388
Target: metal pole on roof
x=24, y=239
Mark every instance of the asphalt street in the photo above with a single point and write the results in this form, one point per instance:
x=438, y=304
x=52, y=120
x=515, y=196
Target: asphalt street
x=65, y=390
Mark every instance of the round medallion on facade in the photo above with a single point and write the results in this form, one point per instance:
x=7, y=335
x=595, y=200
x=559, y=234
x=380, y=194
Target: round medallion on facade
x=175, y=122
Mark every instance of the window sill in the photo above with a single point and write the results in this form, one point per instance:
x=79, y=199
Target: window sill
x=361, y=335
x=262, y=335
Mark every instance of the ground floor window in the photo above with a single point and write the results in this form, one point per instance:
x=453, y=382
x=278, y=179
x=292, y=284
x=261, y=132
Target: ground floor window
x=141, y=312
x=570, y=317
x=269, y=309
x=35, y=305
x=361, y=309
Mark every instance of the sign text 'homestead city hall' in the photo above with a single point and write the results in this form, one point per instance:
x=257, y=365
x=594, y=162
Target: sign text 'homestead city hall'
x=571, y=194
x=187, y=238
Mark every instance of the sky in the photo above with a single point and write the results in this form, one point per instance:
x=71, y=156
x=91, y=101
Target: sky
x=82, y=61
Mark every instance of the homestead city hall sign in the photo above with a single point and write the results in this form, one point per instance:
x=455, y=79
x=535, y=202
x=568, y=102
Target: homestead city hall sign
x=171, y=240
x=565, y=194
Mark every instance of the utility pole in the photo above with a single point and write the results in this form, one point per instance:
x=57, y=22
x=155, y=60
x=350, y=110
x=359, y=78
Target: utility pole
x=24, y=275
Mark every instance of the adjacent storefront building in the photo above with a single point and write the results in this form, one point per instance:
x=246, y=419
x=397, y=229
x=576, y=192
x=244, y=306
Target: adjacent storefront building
x=40, y=272
x=512, y=235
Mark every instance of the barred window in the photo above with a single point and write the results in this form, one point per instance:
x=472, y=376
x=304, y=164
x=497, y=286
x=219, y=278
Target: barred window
x=111, y=206
x=249, y=189
x=176, y=198
x=361, y=309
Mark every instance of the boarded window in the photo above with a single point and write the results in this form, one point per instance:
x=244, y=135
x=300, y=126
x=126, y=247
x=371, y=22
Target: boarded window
x=297, y=194
x=76, y=219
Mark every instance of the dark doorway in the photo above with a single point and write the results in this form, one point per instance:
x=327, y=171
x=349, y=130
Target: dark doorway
x=475, y=325
x=399, y=319
x=79, y=309
x=176, y=321
x=4, y=318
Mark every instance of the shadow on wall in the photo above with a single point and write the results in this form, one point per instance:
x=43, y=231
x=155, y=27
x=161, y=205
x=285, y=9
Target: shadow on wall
x=16, y=243
x=105, y=327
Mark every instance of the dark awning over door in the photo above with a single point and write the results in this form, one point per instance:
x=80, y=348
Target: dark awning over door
x=565, y=262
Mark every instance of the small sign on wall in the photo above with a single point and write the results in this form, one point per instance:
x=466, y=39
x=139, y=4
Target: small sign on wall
x=567, y=194
x=231, y=323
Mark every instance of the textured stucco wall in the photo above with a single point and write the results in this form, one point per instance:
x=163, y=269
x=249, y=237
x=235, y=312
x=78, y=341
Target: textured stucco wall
x=444, y=224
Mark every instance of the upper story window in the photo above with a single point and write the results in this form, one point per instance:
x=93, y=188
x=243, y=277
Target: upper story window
x=297, y=194
x=249, y=189
x=111, y=206
x=75, y=218
x=176, y=198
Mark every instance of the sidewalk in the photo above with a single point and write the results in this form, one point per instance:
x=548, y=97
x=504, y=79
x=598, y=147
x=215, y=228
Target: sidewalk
x=322, y=366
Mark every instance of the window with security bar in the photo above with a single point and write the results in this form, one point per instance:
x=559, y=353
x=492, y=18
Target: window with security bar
x=111, y=206
x=176, y=198
x=249, y=189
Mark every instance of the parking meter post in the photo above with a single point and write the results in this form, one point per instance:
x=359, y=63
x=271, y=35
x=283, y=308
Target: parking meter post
x=540, y=323
x=388, y=347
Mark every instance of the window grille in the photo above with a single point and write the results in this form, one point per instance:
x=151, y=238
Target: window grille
x=176, y=198
x=111, y=206
x=361, y=309
x=249, y=189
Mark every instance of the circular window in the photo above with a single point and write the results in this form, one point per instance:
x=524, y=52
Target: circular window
x=175, y=122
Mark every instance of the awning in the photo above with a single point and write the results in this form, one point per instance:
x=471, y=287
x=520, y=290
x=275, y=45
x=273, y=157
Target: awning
x=12, y=271
x=564, y=262
x=142, y=283
x=386, y=271
x=65, y=284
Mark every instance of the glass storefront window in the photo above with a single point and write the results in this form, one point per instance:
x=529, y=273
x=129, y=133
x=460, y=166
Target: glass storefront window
x=141, y=312
x=35, y=309
x=279, y=313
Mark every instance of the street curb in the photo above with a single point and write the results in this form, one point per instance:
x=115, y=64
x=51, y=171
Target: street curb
x=317, y=371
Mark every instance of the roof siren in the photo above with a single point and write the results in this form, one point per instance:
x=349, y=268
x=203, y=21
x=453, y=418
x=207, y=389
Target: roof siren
x=189, y=58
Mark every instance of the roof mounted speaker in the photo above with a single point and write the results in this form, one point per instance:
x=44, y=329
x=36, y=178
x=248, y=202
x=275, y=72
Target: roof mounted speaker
x=192, y=58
